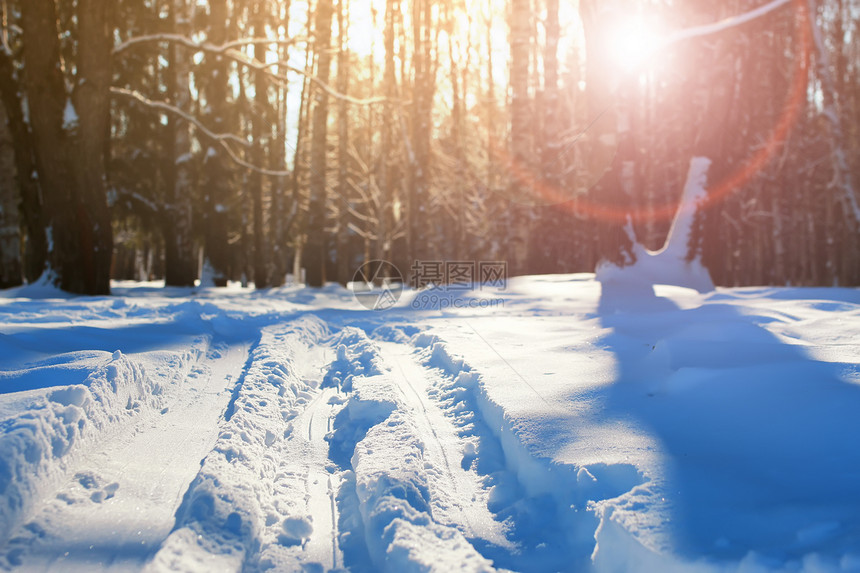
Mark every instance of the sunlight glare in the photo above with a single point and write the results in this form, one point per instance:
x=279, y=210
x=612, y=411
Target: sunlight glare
x=365, y=31
x=633, y=42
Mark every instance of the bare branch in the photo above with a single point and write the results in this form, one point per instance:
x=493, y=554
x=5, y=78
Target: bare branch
x=708, y=29
x=202, y=46
x=219, y=138
x=229, y=50
x=168, y=108
x=138, y=199
x=255, y=64
x=361, y=233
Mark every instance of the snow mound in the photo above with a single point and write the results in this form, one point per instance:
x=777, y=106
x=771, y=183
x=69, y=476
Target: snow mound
x=356, y=356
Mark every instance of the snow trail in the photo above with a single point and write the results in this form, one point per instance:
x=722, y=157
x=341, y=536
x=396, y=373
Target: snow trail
x=264, y=496
x=142, y=469
x=458, y=495
x=400, y=494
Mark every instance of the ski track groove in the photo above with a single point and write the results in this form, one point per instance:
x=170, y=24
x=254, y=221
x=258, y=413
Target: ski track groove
x=459, y=496
x=398, y=358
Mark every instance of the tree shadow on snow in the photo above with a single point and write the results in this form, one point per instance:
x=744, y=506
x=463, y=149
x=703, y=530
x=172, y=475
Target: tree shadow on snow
x=759, y=438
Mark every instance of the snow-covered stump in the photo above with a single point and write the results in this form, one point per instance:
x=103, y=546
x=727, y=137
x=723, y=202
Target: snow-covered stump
x=669, y=265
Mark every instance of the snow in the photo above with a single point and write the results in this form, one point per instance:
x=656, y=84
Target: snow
x=70, y=116
x=669, y=265
x=579, y=425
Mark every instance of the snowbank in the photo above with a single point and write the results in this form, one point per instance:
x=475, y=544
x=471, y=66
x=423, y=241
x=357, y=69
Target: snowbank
x=35, y=445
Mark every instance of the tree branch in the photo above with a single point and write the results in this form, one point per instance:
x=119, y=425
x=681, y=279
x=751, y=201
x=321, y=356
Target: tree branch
x=229, y=50
x=219, y=138
x=202, y=46
x=731, y=22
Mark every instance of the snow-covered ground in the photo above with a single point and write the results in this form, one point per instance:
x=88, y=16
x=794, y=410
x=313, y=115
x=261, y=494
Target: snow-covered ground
x=555, y=425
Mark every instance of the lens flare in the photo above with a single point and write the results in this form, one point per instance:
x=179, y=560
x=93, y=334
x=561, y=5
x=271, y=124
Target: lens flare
x=534, y=189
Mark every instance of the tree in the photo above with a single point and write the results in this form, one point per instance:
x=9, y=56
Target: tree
x=70, y=133
x=217, y=188
x=179, y=248
x=317, y=236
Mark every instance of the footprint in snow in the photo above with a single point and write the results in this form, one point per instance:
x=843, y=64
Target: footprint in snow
x=88, y=485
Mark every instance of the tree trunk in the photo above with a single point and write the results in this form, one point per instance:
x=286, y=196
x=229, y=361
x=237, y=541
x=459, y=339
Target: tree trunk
x=386, y=183
x=519, y=188
x=422, y=101
x=217, y=184
x=35, y=248
x=180, y=254
x=843, y=176
x=259, y=125
x=10, y=235
x=278, y=210
x=70, y=142
x=609, y=203
x=344, y=252
x=317, y=237
x=92, y=101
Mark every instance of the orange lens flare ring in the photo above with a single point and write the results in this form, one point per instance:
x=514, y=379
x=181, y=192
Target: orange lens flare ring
x=542, y=192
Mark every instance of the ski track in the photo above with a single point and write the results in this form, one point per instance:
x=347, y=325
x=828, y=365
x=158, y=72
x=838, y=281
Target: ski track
x=265, y=496
x=322, y=448
x=542, y=505
x=458, y=495
x=143, y=469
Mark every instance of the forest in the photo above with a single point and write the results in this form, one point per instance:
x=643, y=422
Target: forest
x=249, y=140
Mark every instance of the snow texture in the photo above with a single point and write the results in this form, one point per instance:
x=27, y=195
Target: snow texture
x=612, y=425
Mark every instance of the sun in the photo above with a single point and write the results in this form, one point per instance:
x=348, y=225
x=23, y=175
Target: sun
x=633, y=42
